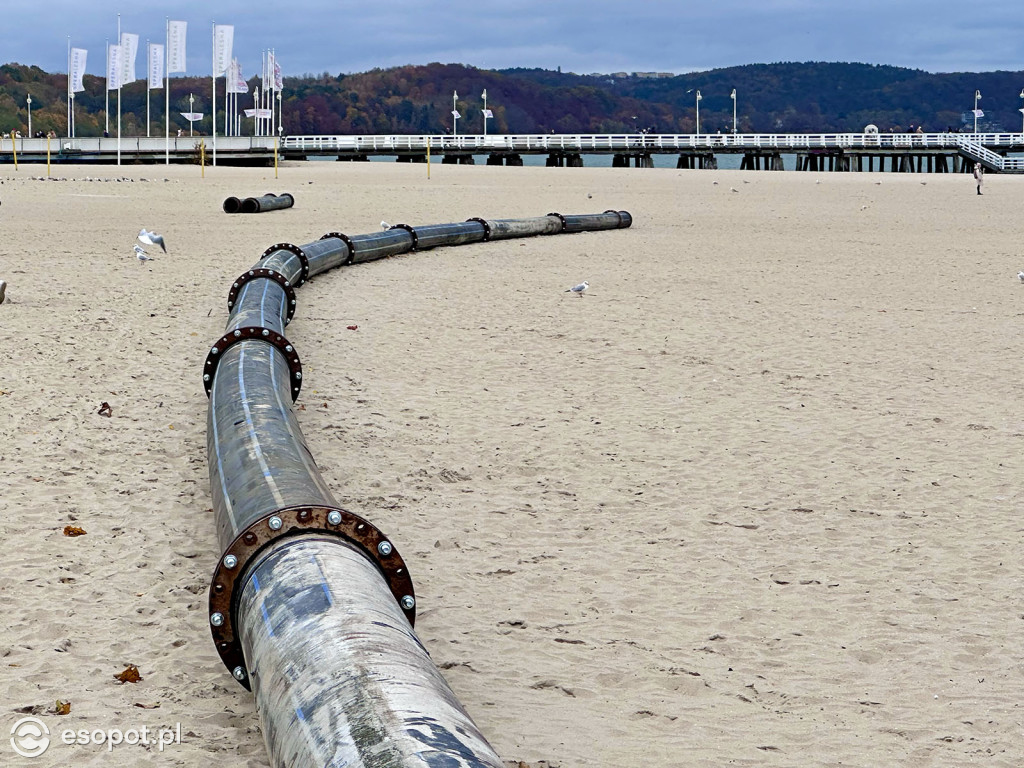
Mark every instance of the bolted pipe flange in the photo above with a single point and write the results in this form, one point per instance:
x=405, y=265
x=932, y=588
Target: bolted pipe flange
x=617, y=215
x=291, y=249
x=561, y=218
x=411, y=231
x=486, y=225
x=268, y=274
x=253, y=333
x=348, y=244
x=296, y=521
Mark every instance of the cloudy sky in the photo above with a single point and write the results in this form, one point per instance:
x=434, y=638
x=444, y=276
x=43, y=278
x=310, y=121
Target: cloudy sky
x=338, y=36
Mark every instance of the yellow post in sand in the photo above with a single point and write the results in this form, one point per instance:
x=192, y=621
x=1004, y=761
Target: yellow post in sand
x=275, y=157
x=428, y=157
x=202, y=158
x=47, y=155
x=14, y=149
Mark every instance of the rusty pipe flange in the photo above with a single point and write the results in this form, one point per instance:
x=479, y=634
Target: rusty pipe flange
x=487, y=227
x=561, y=218
x=411, y=231
x=291, y=249
x=253, y=333
x=270, y=274
x=348, y=244
x=229, y=578
x=617, y=215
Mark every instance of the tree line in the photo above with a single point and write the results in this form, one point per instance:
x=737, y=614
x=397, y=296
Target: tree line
x=783, y=97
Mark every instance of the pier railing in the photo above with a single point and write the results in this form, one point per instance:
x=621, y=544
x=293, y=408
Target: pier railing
x=655, y=143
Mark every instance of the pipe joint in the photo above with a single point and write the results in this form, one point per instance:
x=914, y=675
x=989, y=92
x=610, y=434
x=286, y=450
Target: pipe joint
x=561, y=218
x=249, y=546
x=268, y=274
x=625, y=219
x=485, y=224
x=348, y=244
x=411, y=231
x=303, y=259
x=253, y=333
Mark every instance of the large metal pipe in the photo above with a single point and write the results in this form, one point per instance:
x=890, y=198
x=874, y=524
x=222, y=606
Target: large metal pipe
x=267, y=202
x=312, y=606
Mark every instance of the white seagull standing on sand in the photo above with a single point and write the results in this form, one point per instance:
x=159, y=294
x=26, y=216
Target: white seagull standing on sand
x=142, y=255
x=385, y=225
x=1020, y=276
x=152, y=238
x=578, y=289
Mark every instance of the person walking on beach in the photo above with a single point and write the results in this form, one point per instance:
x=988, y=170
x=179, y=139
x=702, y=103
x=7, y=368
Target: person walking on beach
x=979, y=175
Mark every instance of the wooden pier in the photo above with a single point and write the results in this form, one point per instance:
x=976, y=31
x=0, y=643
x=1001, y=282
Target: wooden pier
x=834, y=152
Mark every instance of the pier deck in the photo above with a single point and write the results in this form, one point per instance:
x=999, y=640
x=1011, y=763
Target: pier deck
x=917, y=152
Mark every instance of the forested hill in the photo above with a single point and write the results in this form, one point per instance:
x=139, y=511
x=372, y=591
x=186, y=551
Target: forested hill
x=785, y=97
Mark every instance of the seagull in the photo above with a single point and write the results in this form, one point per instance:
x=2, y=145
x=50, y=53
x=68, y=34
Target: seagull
x=385, y=225
x=733, y=189
x=578, y=289
x=1020, y=275
x=152, y=238
x=142, y=255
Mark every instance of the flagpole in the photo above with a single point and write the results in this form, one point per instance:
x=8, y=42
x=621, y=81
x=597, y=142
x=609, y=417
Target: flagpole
x=119, y=79
x=213, y=102
x=69, y=85
x=149, y=57
x=167, y=90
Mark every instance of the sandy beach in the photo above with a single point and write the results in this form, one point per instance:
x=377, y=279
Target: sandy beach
x=751, y=501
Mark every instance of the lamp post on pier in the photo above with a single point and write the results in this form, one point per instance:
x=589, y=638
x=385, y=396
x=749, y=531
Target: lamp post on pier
x=977, y=97
x=733, y=111
x=191, y=109
x=1022, y=112
x=28, y=100
x=698, y=113
x=455, y=113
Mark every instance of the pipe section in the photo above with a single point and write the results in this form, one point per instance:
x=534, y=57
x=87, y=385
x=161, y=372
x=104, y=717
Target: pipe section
x=312, y=606
x=267, y=202
x=376, y=699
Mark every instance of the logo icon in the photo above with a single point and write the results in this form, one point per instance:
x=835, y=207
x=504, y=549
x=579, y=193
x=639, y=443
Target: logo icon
x=30, y=737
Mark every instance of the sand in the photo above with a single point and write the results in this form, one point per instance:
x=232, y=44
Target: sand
x=751, y=501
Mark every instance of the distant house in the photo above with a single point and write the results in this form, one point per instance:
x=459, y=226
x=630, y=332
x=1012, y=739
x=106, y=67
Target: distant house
x=652, y=75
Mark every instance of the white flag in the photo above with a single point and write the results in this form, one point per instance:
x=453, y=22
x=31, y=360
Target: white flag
x=192, y=117
x=156, y=66
x=176, y=46
x=130, y=44
x=114, y=57
x=250, y=112
x=488, y=114
x=278, y=80
x=978, y=112
x=223, y=39
x=268, y=73
x=264, y=114
x=455, y=114
x=235, y=82
x=78, y=56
